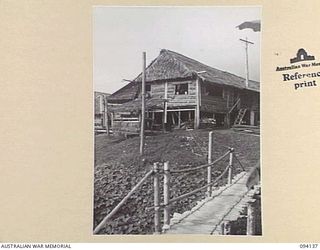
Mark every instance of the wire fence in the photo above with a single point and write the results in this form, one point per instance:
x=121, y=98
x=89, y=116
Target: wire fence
x=166, y=174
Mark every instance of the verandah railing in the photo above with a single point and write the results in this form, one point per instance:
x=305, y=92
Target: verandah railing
x=167, y=201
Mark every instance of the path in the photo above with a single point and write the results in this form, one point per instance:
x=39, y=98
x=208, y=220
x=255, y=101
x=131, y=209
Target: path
x=226, y=204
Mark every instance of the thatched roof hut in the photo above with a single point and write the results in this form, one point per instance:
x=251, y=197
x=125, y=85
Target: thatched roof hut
x=172, y=66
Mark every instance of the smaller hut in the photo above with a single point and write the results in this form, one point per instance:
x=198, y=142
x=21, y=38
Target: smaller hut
x=99, y=109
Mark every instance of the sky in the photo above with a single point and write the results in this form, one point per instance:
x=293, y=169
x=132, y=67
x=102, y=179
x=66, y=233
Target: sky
x=206, y=34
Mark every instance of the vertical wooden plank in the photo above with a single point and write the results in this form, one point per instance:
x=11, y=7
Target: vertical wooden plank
x=179, y=118
x=166, y=103
x=230, y=166
x=156, y=188
x=228, y=98
x=222, y=228
x=112, y=118
x=173, y=119
x=166, y=196
x=143, y=102
x=153, y=119
x=225, y=228
x=209, y=169
x=106, y=117
x=252, y=117
x=228, y=122
x=197, y=111
x=250, y=220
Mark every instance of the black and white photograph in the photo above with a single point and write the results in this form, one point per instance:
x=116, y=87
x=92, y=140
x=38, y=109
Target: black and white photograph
x=177, y=120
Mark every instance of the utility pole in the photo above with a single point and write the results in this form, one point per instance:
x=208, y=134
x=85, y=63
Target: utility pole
x=247, y=64
x=143, y=90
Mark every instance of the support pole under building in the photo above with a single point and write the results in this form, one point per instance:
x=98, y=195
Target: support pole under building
x=143, y=102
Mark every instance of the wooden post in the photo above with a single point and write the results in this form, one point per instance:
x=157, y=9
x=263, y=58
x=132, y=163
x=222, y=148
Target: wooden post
x=209, y=169
x=152, y=119
x=106, y=118
x=228, y=98
x=143, y=102
x=156, y=188
x=111, y=119
x=166, y=103
x=166, y=196
x=225, y=228
x=250, y=220
x=252, y=118
x=179, y=119
x=230, y=166
x=172, y=117
x=197, y=111
x=228, y=123
x=163, y=117
x=222, y=228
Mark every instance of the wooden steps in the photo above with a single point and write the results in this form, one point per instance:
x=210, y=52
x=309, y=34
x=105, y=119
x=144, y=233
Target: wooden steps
x=240, y=116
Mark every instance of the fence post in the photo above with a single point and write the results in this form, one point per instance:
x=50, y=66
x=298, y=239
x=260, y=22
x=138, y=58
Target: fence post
x=225, y=228
x=166, y=196
x=230, y=166
x=209, y=170
x=156, y=188
x=250, y=219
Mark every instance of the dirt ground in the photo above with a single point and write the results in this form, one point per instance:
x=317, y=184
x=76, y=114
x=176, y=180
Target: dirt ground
x=118, y=167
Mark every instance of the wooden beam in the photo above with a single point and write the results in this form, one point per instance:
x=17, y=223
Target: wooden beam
x=173, y=110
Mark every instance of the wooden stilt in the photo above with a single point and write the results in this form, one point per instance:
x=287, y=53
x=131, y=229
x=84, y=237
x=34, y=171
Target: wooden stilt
x=173, y=119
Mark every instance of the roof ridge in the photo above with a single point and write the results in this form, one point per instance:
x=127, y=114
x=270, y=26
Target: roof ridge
x=181, y=63
x=223, y=71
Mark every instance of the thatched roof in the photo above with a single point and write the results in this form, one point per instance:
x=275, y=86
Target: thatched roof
x=171, y=66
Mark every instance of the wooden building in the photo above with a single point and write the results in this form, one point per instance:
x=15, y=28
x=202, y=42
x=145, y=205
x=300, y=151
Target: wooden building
x=99, y=109
x=180, y=91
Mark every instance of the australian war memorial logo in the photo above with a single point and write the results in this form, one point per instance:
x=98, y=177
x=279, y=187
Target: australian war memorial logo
x=302, y=55
x=300, y=80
